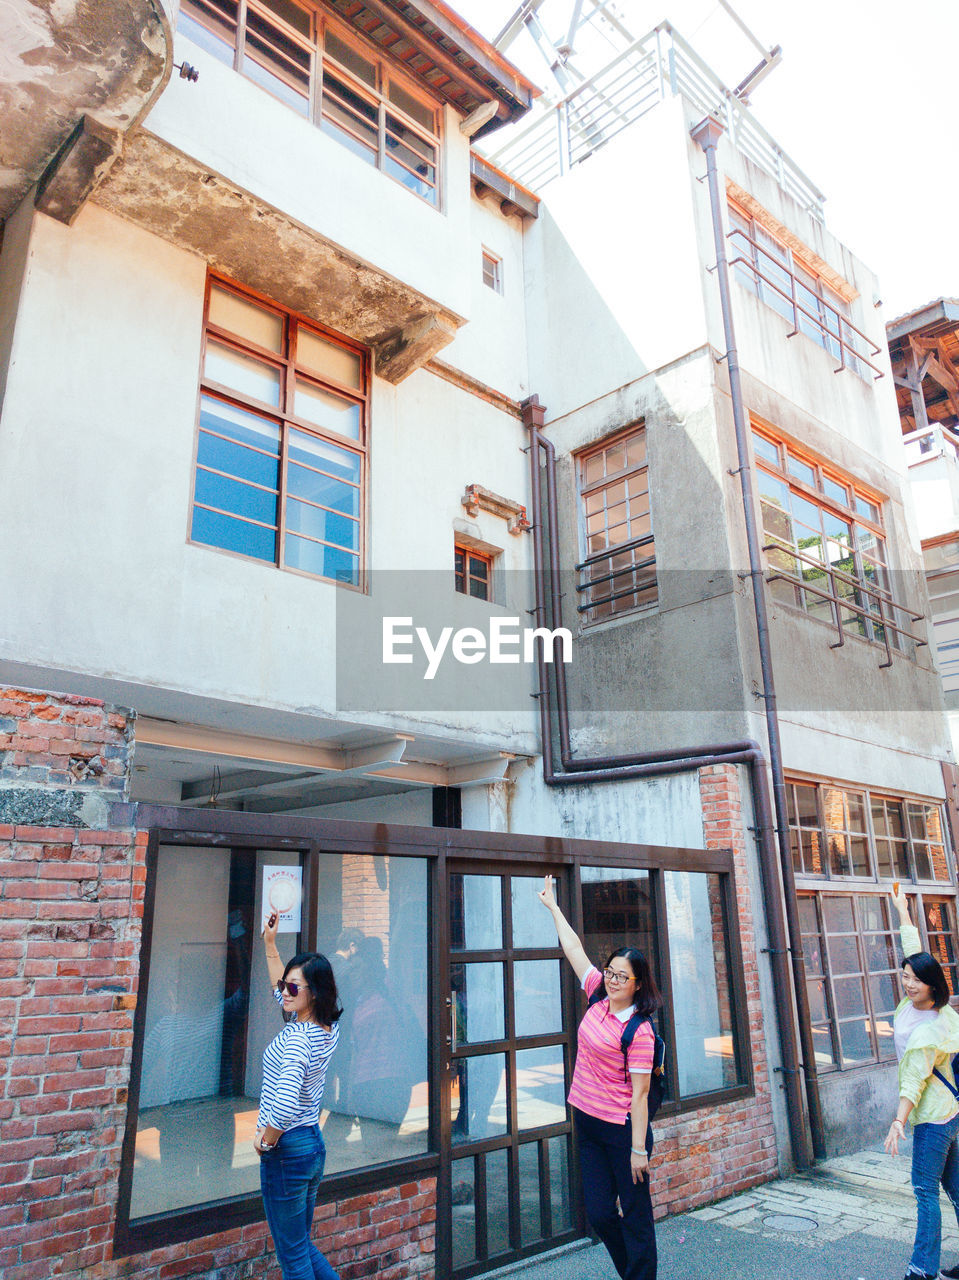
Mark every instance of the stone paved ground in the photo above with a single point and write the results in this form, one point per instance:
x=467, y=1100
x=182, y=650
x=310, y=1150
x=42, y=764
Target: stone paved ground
x=850, y=1218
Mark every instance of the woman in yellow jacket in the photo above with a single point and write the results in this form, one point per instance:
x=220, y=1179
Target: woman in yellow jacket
x=926, y=1030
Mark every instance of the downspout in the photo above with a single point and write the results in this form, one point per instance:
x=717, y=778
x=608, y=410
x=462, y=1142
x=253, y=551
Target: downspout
x=707, y=134
x=657, y=764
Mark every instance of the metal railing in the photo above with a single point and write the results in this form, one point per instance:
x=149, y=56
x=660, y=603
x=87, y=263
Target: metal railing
x=620, y=548
x=658, y=65
x=828, y=338
x=886, y=607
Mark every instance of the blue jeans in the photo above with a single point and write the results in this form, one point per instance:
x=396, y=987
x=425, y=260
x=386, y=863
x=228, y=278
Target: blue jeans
x=605, y=1168
x=290, y=1179
x=935, y=1159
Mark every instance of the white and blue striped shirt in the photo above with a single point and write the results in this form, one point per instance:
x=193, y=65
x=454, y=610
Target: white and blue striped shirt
x=294, y=1073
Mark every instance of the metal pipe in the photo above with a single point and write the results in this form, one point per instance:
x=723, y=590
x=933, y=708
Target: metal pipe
x=707, y=134
x=657, y=764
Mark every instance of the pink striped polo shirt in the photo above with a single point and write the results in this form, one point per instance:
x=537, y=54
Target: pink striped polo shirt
x=599, y=1083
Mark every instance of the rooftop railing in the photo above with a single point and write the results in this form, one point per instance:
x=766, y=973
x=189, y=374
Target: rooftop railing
x=658, y=65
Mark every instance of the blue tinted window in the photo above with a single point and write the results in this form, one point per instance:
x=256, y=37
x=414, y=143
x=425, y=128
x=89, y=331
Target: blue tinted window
x=233, y=535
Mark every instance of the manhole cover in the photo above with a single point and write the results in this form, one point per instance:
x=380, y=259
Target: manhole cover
x=786, y=1222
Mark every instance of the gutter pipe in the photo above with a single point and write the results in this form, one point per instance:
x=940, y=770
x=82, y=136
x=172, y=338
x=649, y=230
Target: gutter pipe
x=573, y=771
x=791, y=997
x=707, y=134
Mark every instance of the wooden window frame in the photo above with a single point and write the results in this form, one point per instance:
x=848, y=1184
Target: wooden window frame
x=888, y=628
x=313, y=837
x=946, y=887
x=641, y=563
x=285, y=419
x=495, y=273
x=466, y=575
x=377, y=96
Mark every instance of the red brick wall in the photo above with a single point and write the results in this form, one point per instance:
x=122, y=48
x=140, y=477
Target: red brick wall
x=71, y=908
x=705, y=1155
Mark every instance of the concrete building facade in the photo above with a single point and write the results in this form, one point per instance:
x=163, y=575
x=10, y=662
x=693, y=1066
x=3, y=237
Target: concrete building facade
x=297, y=357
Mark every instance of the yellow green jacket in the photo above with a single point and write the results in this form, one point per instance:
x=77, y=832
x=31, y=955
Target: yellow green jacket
x=930, y=1047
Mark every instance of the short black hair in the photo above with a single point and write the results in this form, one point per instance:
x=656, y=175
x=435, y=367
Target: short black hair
x=928, y=970
x=318, y=973
x=647, y=998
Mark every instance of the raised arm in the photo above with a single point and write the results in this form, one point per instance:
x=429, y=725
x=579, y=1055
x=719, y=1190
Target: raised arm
x=908, y=932
x=572, y=947
x=274, y=964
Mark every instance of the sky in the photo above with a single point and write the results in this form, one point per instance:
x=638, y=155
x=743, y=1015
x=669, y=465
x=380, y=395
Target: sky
x=861, y=102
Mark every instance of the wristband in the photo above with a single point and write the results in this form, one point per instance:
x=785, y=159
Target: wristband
x=637, y=1152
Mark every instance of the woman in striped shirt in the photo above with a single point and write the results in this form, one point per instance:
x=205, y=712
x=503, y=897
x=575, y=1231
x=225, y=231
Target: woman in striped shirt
x=288, y=1138
x=610, y=1113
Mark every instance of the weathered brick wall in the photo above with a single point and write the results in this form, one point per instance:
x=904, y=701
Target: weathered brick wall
x=71, y=908
x=705, y=1155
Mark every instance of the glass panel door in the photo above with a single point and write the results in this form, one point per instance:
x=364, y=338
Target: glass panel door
x=508, y=1071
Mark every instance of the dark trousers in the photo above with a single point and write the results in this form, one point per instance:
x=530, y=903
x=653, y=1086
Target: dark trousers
x=604, y=1150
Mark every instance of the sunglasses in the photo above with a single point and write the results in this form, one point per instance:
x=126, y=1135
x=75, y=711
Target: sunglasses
x=291, y=988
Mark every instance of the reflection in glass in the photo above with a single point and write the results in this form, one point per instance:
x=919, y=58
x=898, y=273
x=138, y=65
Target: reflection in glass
x=530, y=1223
x=476, y=913
x=531, y=927
x=477, y=1003
x=822, y=1040
x=617, y=907
x=478, y=1101
x=559, y=1196
x=536, y=993
x=463, y=1211
x=856, y=1042
x=372, y=925
x=497, y=1201
x=203, y=1036
x=248, y=376
x=540, y=1087
x=702, y=998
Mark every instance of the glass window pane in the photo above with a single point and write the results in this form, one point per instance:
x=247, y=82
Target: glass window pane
x=850, y=996
x=218, y=38
x=209, y=1016
x=476, y=913
x=530, y=1218
x=325, y=410
x=463, y=1211
x=477, y=1002
x=844, y=954
x=532, y=926
x=327, y=526
x=235, y=497
x=328, y=359
x=318, y=486
x=856, y=1043
x=559, y=1184
x=801, y=470
x=837, y=913
x=838, y=492
x=245, y=319
x=882, y=989
x=415, y=109
x=497, y=1202
x=536, y=993
x=322, y=455
x=818, y=1010
x=822, y=1040
x=350, y=58
x=214, y=529
x=617, y=904
x=248, y=376
x=702, y=1011
x=321, y=559
x=478, y=1100
x=540, y=1087
x=766, y=449
x=372, y=925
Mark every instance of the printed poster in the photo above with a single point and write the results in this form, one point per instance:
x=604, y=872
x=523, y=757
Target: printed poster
x=282, y=892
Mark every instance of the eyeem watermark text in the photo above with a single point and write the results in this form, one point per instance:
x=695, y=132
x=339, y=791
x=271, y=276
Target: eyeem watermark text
x=505, y=643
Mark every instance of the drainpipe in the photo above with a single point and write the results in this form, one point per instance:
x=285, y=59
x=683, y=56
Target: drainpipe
x=707, y=134
x=574, y=771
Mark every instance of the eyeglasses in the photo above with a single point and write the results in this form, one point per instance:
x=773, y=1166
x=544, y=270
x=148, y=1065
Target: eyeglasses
x=291, y=988
x=616, y=978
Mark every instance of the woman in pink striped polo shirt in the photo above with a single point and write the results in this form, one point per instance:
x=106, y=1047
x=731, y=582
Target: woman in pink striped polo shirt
x=610, y=1114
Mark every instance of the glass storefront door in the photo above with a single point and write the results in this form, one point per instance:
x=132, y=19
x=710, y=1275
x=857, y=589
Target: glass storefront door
x=508, y=1065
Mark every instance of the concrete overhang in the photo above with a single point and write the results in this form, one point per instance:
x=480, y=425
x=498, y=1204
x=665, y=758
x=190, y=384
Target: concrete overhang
x=238, y=234
x=75, y=76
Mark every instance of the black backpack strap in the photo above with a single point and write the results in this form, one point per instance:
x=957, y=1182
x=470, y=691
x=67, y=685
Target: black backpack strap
x=626, y=1039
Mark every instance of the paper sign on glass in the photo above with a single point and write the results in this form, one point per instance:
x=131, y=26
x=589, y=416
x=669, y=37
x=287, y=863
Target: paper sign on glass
x=282, y=892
